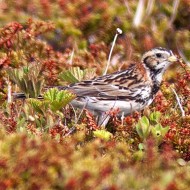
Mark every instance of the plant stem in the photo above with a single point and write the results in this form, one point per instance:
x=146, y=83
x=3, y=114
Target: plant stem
x=118, y=31
x=178, y=102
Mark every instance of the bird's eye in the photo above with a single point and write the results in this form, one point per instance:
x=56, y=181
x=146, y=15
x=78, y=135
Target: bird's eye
x=158, y=55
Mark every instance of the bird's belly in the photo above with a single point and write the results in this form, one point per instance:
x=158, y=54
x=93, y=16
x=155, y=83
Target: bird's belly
x=97, y=106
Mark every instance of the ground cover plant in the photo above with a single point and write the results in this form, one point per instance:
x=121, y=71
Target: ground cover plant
x=48, y=144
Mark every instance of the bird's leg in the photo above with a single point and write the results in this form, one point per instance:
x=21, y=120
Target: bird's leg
x=103, y=117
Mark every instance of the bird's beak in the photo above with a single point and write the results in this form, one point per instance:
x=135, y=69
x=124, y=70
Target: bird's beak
x=172, y=58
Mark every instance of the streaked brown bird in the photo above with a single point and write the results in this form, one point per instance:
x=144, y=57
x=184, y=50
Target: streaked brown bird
x=129, y=90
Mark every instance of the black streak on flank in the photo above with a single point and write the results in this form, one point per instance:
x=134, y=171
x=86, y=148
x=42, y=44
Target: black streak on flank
x=155, y=88
x=122, y=87
x=87, y=81
x=108, y=98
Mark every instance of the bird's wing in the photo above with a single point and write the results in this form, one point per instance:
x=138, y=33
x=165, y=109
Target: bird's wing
x=124, y=84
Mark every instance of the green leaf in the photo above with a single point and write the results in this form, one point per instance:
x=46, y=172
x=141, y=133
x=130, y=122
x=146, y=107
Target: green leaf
x=58, y=98
x=2, y=96
x=38, y=105
x=144, y=121
x=21, y=122
x=77, y=73
x=141, y=146
x=143, y=127
x=25, y=70
x=28, y=79
x=159, y=132
x=155, y=116
x=68, y=77
x=73, y=75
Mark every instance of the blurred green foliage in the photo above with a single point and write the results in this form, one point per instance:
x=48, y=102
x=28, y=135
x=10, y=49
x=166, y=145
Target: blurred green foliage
x=28, y=79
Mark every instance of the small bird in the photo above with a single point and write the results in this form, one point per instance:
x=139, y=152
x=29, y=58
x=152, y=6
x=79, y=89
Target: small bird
x=129, y=90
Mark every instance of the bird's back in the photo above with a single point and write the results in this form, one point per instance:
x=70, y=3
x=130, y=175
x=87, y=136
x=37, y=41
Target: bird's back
x=127, y=90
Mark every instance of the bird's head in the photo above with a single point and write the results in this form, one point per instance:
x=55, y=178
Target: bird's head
x=157, y=60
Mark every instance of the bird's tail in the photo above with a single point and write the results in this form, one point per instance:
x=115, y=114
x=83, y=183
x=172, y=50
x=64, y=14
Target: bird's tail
x=19, y=95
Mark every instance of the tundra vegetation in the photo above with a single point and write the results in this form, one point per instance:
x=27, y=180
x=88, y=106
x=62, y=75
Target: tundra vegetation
x=48, y=144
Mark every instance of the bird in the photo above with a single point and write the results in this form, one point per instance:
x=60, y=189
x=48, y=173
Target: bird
x=128, y=90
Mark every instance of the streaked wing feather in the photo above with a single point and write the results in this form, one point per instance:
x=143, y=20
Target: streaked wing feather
x=93, y=90
x=119, y=84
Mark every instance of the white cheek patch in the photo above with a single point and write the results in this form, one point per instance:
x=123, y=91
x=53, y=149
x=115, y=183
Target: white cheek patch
x=161, y=65
x=159, y=77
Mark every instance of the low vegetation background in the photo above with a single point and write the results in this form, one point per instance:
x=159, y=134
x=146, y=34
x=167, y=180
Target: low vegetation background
x=48, y=144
